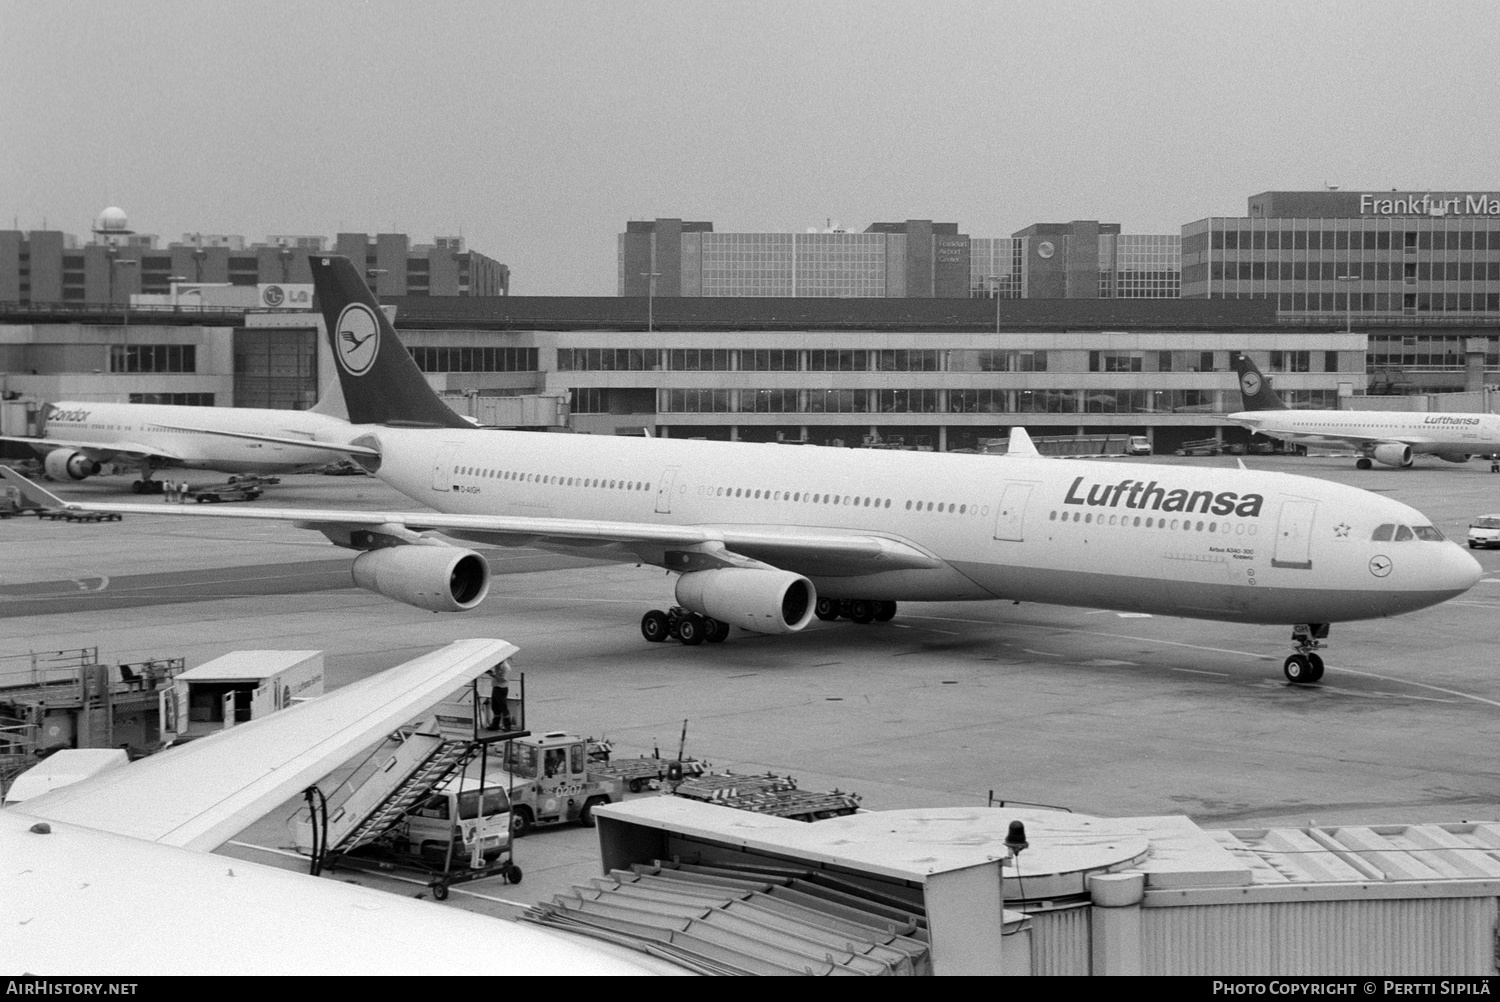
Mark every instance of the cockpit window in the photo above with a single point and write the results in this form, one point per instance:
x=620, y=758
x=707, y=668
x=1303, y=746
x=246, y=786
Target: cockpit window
x=1382, y=533
x=1428, y=533
x=1403, y=534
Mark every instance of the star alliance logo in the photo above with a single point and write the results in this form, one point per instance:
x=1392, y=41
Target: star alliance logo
x=358, y=339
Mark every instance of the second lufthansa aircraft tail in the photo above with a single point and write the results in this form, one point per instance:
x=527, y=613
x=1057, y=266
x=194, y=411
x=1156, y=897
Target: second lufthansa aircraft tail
x=1255, y=389
x=381, y=383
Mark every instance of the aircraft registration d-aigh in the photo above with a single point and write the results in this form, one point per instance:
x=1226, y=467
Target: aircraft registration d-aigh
x=767, y=536
x=1387, y=437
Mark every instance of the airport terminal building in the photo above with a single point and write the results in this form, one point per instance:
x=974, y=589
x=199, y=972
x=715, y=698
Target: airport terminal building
x=914, y=259
x=909, y=333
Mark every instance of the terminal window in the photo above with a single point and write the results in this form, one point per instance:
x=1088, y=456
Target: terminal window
x=153, y=358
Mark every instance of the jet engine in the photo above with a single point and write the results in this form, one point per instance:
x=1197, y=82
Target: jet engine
x=68, y=464
x=1392, y=454
x=761, y=600
x=436, y=578
x=1454, y=457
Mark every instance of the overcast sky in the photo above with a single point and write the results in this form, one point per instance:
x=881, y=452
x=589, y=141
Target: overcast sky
x=537, y=129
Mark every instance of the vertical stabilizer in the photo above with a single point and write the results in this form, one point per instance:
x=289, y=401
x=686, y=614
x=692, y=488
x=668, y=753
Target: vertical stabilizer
x=1255, y=389
x=1020, y=443
x=381, y=383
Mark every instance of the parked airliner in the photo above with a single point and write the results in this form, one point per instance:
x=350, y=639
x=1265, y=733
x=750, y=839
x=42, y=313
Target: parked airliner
x=1388, y=437
x=766, y=537
x=77, y=438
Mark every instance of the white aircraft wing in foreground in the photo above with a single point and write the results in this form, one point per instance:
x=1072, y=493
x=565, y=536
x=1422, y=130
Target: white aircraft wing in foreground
x=111, y=876
x=200, y=794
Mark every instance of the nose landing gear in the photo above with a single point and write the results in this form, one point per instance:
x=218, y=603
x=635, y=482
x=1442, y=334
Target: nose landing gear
x=1306, y=666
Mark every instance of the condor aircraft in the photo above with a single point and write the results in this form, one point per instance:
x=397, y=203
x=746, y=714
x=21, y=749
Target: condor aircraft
x=1387, y=437
x=766, y=537
x=78, y=437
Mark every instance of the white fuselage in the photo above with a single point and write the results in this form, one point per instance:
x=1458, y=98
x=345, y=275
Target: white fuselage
x=1445, y=434
x=1177, y=540
x=129, y=427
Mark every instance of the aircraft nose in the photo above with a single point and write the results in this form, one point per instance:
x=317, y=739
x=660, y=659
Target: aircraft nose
x=1458, y=570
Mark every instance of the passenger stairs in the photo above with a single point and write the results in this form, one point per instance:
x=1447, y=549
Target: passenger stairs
x=378, y=800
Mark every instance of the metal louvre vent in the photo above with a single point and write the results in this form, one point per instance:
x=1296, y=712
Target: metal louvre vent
x=747, y=920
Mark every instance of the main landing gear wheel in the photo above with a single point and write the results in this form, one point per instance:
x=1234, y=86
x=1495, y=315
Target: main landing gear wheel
x=717, y=632
x=692, y=631
x=885, y=612
x=827, y=610
x=1362, y=463
x=655, y=626
x=862, y=611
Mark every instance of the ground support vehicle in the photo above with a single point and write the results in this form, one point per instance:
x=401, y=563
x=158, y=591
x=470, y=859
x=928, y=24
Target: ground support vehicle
x=1484, y=531
x=67, y=515
x=1200, y=447
x=767, y=794
x=552, y=781
x=437, y=804
x=434, y=806
x=638, y=774
x=233, y=489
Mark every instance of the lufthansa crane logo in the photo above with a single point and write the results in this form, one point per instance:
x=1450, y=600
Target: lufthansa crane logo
x=1250, y=383
x=358, y=339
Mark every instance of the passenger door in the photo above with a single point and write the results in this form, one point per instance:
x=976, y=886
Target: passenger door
x=1294, y=535
x=1011, y=514
x=442, y=468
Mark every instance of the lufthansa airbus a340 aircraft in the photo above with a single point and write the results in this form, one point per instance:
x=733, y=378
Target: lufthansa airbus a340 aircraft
x=766, y=537
x=1387, y=437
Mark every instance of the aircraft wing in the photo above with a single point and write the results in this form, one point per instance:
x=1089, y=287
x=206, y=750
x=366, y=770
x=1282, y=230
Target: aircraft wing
x=95, y=451
x=201, y=794
x=801, y=550
x=303, y=443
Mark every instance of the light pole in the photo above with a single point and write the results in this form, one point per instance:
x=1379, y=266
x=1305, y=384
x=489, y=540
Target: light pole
x=650, y=277
x=1348, y=304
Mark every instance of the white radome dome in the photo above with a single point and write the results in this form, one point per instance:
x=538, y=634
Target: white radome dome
x=112, y=218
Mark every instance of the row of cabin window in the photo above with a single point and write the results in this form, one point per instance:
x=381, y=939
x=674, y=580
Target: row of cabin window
x=543, y=478
x=807, y=496
x=1125, y=521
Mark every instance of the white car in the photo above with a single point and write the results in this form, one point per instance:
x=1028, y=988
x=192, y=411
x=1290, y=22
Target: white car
x=1484, y=531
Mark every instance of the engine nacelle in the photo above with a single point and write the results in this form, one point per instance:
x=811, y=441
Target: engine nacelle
x=1392, y=454
x=436, y=578
x=68, y=464
x=1454, y=457
x=763, y=601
